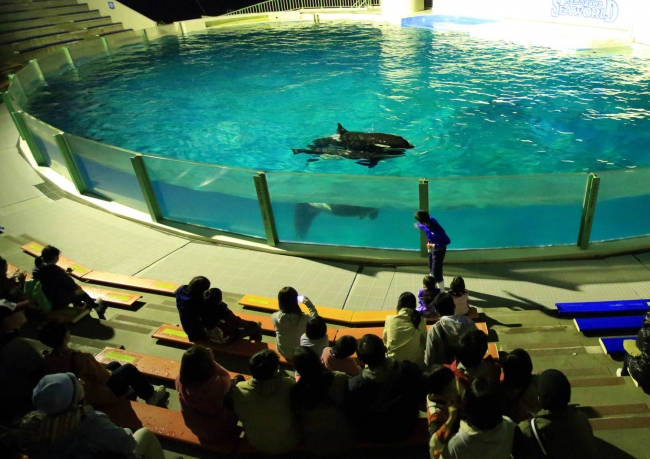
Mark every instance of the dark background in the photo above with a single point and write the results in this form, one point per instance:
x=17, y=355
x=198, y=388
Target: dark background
x=169, y=11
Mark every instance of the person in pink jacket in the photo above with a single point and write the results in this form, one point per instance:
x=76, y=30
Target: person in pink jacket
x=202, y=386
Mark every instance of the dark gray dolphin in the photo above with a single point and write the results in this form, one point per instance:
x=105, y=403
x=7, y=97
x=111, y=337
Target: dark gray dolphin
x=368, y=141
x=307, y=212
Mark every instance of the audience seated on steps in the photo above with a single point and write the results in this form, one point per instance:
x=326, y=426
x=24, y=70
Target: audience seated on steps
x=62, y=427
x=315, y=335
x=339, y=357
x=382, y=401
x=203, y=386
x=11, y=288
x=263, y=406
x=483, y=433
x=21, y=364
x=222, y=325
x=460, y=295
x=559, y=431
x=444, y=395
x=290, y=322
x=405, y=333
x=105, y=385
x=519, y=386
x=58, y=286
x=189, y=301
x=443, y=336
x=426, y=295
x=471, y=362
x=637, y=357
x=317, y=401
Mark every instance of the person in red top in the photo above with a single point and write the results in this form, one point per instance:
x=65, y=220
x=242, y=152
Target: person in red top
x=444, y=393
x=339, y=357
x=471, y=362
x=202, y=386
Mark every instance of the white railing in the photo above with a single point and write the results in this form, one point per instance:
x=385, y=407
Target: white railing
x=271, y=6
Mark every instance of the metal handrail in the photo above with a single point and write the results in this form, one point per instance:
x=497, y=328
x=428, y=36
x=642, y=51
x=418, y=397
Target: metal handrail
x=271, y=6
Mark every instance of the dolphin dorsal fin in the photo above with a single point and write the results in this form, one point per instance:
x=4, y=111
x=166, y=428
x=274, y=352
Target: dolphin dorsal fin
x=340, y=129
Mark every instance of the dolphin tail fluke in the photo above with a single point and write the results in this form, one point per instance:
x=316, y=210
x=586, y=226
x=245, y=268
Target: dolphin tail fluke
x=340, y=129
x=304, y=215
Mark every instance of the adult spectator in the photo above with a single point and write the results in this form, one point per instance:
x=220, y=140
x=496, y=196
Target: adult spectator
x=483, y=431
x=21, y=364
x=339, y=357
x=104, y=385
x=520, y=386
x=263, y=406
x=637, y=357
x=189, y=301
x=290, y=322
x=58, y=286
x=315, y=335
x=471, y=362
x=202, y=386
x=382, y=401
x=443, y=336
x=444, y=395
x=222, y=325
x=405, y=333
x=63, y=428
x=559, y=431
x=11, y=287
x=317, y=401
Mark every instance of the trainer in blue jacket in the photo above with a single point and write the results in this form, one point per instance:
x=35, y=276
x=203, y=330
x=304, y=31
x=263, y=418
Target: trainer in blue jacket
x=437, y=244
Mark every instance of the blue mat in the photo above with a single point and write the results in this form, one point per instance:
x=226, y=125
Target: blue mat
x=641, y=305
x=609, y=323
x=614, y=345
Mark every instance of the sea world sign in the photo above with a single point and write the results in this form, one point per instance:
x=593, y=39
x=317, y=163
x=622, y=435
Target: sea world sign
x=606, y=10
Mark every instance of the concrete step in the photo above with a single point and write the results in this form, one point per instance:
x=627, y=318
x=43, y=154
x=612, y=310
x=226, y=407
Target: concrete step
x=26, y=45
x=40, y=52
x=42, y=13
x=35, y=32
x=30, y=6
x=11, y=2
x=50, y=20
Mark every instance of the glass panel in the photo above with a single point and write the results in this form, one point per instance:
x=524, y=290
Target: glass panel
x=107, y=171
x=623, y=203
x=517, y=211
x=345, y=210
x=55, y=63
x=44, y=137
x=87, y=50
x=16, y=93
x=30, y=78
x=216, y=197
x=117, y=40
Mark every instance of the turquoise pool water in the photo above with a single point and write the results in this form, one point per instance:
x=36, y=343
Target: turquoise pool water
x=246, y=97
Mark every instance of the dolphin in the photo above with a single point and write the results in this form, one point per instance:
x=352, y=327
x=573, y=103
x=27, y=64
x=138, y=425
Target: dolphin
x=307, y=212
x=366, y=148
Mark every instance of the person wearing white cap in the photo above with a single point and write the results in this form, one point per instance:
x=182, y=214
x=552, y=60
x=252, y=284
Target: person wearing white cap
x=21, y=364
x=64, y=427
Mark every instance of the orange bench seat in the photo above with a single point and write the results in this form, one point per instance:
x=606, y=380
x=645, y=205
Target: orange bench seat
x=379, y=317
x=132, y=282
x=242, y=347
x=78, y=270
x=271, y=304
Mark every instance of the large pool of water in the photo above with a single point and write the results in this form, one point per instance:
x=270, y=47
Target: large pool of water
x=247, y=96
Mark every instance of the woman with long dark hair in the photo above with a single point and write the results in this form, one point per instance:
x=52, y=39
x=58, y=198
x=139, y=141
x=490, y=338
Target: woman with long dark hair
x=405, y=333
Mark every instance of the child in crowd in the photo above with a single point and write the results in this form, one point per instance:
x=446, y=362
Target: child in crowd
x=426, y=295
x=290, y=322
x=315, y=335
x=58, y=286
x=11, y=287
x=471, y=362
x=443, y=336
x=405, y=333
x=444, y=395
x=637, y=357
x=459, y=294
x=339, y=357
x=105, y=385
x=520, y=386
x=317, y=401
x=202, y=386
x=222, y=325
x=559, y=430
x=189, y=301
x=437, y=242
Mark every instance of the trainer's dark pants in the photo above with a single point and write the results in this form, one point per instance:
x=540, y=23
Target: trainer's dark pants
x=125, y=376
x=436, y=259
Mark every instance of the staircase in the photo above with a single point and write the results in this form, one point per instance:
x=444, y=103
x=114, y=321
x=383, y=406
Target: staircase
x=31, y=29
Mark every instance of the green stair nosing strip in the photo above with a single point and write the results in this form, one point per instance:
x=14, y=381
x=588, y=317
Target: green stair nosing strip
x=48, y=17
x=36, y=48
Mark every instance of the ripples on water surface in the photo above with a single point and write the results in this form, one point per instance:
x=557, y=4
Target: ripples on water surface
x=246, y=96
